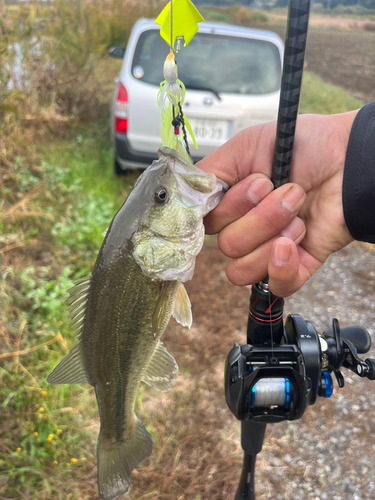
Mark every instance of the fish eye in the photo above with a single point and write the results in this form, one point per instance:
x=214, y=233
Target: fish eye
x=161, y=195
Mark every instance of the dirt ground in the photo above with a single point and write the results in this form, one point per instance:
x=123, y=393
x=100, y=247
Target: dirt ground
x=328, y=455
x=342, y=57
x=319, y=21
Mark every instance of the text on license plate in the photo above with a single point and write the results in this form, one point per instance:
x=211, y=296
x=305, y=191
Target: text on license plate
x=213, y=130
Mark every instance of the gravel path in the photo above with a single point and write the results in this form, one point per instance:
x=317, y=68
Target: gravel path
x=330, y=453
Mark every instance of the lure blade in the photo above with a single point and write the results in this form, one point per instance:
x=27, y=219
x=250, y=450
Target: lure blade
x=185, y=21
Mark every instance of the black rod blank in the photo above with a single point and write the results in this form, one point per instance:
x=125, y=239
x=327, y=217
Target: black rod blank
x=294, y=55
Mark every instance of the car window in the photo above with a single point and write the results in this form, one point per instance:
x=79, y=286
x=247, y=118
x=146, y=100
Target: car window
x=223, y=63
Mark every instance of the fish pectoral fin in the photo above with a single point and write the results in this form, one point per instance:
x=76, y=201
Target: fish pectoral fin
x=70, y=370
x=117, y=460
x=162, y=311
x=182, y=308
x=162, y=371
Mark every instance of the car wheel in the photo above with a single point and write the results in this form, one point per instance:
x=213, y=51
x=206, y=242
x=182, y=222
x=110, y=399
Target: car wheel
x=118, y=170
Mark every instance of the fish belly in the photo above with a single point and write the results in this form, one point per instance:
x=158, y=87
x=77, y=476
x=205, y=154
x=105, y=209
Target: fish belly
x=117, y=346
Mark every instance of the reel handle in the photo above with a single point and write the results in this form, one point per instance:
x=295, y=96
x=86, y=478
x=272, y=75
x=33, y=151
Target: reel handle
x=371, y=366
x=357, y=335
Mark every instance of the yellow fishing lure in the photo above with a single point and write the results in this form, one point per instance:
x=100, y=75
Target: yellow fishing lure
x=170, y=99
x=178, y=20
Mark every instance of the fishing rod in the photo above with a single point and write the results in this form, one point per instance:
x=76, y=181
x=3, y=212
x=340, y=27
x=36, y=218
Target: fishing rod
x=284, y=368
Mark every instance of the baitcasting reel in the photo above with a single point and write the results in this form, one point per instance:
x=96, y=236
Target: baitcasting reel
x=285, y=368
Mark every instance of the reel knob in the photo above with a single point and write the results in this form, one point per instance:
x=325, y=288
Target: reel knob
x=325, y=389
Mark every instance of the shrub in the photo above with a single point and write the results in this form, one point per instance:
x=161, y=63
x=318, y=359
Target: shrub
x=353, y=10
x=48, y=55
x=213, y=15
x=318, y=8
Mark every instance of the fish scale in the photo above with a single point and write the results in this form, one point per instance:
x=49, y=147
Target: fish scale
x=130, y=330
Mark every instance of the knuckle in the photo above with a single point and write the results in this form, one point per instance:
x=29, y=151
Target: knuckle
x=228, y=243
x=275, y=222
x=235, y=274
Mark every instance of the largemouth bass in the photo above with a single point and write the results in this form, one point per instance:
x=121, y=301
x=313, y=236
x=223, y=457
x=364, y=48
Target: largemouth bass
x=120, y=311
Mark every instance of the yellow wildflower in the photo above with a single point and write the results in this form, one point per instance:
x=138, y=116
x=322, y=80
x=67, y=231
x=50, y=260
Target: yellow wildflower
x=55, y=462
x=41, y=409
x=35, y=434
x=59, y=431
x=50, y=437
x=43, y=393
x=60, y=322
x=73, y=460
x=18, y=449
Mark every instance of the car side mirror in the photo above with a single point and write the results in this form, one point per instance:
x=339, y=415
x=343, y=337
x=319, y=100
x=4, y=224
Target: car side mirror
x=117, y=52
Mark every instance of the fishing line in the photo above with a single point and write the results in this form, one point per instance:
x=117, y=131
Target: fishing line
x=271, y=329
x=171, y=24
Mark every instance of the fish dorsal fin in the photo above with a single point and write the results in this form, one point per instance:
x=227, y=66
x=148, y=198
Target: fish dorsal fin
x=162, y=370
x=70, y=370
x=182, y=307
x=77, y=303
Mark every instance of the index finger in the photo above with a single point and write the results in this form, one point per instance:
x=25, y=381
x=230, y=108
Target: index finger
x=248, y=152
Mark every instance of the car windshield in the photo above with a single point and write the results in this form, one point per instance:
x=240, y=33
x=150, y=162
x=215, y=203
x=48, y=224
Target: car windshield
x=222, y=63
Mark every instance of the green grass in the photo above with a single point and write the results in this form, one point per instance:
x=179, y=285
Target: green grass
x=320, y=97
x=43, y=427
x=214, y=15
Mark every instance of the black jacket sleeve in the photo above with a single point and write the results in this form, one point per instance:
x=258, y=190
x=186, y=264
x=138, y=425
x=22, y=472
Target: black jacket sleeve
x=358, y=191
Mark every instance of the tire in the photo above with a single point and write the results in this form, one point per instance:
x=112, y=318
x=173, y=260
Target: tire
x=118, y=170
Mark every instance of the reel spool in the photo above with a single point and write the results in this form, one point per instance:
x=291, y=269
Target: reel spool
x=271, y=392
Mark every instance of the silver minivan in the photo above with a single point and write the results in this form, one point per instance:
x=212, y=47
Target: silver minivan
x=232, y=77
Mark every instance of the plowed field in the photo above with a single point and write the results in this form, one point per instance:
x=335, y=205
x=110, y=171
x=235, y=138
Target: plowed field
x=345, y=58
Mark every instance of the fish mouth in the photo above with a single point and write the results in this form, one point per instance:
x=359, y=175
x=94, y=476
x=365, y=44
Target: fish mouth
x=182, y=167
x=196, y=188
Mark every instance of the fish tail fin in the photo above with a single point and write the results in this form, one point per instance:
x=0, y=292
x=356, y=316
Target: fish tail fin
x=116, y=461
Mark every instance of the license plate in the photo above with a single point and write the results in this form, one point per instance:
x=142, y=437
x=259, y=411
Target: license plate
x=209, y=130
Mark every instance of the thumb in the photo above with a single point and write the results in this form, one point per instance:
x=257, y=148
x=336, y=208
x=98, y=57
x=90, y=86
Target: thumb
x=283, y=268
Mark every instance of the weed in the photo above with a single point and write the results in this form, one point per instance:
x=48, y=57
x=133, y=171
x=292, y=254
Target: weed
x=56, y=210
x=244, y=16
x=321, y=97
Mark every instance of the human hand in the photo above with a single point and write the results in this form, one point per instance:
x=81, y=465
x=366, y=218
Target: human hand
x=259, y=229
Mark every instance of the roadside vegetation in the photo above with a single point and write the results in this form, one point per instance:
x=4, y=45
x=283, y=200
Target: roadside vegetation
x=57, y=195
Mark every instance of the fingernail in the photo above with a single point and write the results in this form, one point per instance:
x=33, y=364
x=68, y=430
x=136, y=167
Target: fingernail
x=258, y=190
x=281, y=254
x=292, y=199
x=295, y=229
